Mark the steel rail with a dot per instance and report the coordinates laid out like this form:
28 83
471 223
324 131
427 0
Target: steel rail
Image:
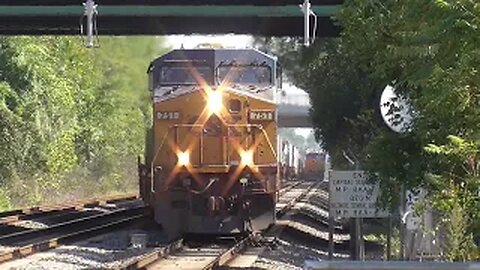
229 254
293 201
238 248
220 260
153 256
29 242
18 214
17 237
285 189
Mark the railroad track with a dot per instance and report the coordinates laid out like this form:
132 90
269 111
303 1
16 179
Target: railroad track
44 211
209 256
20 243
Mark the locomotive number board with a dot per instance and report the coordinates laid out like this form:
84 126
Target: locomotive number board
168 115
261 115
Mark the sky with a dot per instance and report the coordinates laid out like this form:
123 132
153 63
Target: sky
230 41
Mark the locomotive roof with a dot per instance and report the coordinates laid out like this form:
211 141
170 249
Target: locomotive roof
215 57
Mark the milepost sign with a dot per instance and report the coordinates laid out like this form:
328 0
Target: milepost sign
351 195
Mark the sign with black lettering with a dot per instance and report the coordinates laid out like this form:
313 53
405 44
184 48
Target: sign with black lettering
168 115
352 196
261 115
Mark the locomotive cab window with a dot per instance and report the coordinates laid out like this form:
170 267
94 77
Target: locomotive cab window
178 75
234 105
260 75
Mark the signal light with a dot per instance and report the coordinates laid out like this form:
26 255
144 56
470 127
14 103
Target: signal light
183 158
215 101
247 158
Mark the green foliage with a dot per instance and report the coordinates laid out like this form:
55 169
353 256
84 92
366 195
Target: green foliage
433 56
455 179
332 82
72 120
4 201
460 245
382 240
430 52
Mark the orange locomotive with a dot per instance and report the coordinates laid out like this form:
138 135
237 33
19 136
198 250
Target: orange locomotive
210 162
314 166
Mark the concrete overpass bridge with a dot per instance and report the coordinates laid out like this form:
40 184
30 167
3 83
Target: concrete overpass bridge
293 111
166 17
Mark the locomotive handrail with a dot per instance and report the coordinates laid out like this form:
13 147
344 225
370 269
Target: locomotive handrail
152 175
269 142
204 189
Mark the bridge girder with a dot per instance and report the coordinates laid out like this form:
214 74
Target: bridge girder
155 17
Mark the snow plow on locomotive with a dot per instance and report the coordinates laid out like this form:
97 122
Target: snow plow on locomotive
210 165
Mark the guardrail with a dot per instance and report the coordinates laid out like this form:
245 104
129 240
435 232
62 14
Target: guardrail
389 265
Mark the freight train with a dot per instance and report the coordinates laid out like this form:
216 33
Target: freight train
211 164
314 166
291 162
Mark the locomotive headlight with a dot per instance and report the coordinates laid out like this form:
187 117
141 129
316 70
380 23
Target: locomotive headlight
183 158
247 158
215 101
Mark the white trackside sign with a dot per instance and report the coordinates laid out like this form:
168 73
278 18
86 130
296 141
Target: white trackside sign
352 196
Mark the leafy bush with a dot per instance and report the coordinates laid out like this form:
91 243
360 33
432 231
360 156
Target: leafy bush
72 120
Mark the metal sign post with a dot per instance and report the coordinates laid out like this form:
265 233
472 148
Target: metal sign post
331 219
389 239
360 241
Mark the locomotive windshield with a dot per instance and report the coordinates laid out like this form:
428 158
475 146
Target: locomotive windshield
174 75
245 74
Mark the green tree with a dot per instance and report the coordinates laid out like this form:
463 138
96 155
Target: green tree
433 56
430 52
72 120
